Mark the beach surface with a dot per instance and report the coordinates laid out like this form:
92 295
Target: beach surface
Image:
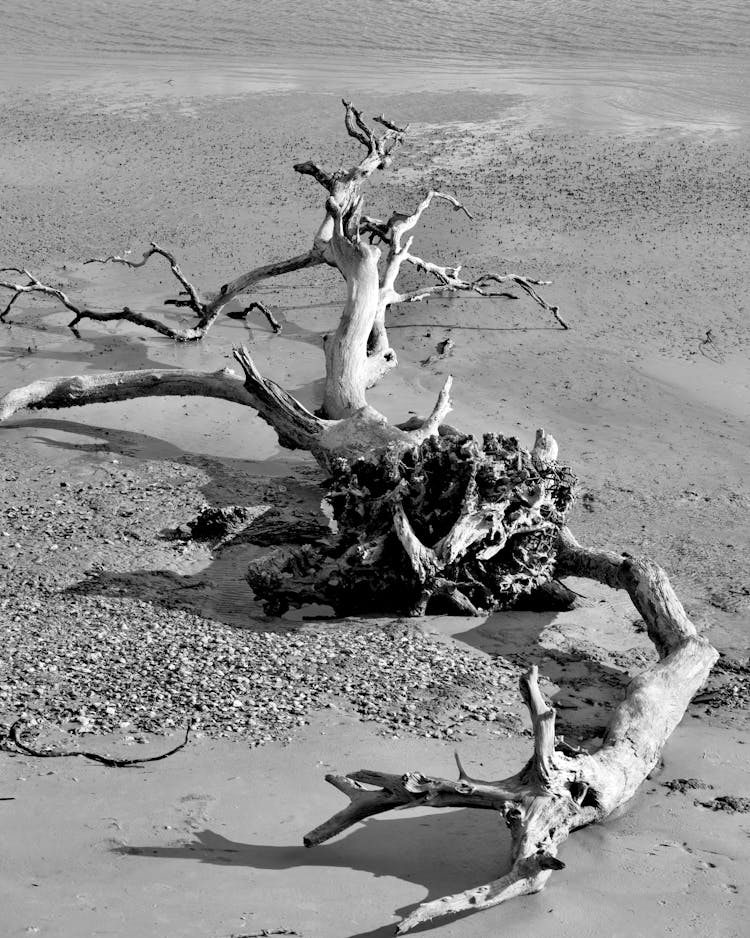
643 233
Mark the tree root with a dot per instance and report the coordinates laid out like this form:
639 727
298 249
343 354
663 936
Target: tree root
445 524
560 789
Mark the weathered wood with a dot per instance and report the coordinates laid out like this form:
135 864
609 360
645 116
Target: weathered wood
207 310
424 515
79 390
560 789
442 523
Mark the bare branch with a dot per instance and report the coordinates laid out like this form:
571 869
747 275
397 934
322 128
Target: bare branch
411 789
295 426
357 128
228 291
527 876
272 320
10 302
439 412
209 311
543 723
381 119
562 789
400 224
309 168
195 301
526 284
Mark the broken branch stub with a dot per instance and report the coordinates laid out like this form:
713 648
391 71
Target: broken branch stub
560 789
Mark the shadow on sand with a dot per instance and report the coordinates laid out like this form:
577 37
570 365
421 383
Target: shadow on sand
444 854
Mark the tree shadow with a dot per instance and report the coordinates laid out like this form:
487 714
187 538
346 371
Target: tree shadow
443 851
132 348
219 591
590 685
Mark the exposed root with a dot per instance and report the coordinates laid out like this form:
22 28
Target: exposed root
443 523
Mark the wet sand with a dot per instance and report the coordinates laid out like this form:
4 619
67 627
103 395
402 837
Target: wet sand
644 237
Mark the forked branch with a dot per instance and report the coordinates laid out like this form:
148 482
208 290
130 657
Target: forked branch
194 301
361 433
206 309
560 789
392 232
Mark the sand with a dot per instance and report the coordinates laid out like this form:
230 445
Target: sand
644 238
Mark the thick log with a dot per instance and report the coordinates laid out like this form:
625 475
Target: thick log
112 386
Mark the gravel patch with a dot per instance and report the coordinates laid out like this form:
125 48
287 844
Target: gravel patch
143 671
101 628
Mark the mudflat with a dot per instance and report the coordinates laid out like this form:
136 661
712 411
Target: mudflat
117 628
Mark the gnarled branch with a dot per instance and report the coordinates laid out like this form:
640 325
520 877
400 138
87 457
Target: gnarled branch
207 310
195 302
560 789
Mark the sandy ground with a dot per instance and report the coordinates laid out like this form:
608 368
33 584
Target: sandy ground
645 239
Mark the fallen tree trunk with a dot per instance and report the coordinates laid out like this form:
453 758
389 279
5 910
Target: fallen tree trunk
559 790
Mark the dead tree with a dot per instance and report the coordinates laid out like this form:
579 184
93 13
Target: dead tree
422 517
358 267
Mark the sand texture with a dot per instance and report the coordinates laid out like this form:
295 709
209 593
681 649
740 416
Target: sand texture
115 624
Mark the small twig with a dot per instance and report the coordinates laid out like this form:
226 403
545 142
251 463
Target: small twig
381 119
272 320
14 737
195 301
265 932
708 342
526 284
443 348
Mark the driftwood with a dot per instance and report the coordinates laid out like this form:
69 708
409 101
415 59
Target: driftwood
422 516
447 525
560 789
